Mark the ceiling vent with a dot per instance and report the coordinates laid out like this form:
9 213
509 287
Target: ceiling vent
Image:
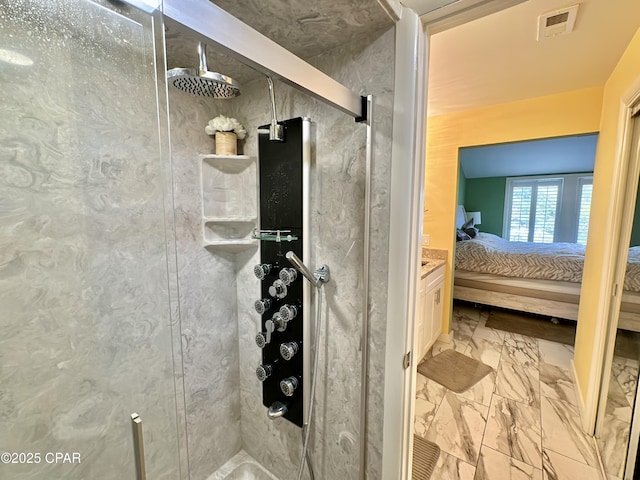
558 22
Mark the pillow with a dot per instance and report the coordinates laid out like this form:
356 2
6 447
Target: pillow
461 235
467 224
471 231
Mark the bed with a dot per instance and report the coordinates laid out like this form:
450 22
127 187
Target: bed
534 277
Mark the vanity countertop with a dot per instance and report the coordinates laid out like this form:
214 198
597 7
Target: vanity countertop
432 258
430 264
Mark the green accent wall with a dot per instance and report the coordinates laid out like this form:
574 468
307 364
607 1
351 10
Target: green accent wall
462 186
635 231
486 195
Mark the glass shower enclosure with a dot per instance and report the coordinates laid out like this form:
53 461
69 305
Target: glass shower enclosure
88 322
127 284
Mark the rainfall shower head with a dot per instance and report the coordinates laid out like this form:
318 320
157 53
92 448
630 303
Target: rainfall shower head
201 81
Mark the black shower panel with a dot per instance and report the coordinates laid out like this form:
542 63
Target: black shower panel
281 180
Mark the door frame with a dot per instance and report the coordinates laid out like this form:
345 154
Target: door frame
405 234
622 207
628 166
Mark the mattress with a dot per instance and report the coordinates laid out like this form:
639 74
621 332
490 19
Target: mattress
564 262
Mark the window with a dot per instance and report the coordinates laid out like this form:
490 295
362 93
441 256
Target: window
585 185
548 209
532 206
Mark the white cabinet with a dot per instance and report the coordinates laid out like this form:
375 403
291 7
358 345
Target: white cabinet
429 321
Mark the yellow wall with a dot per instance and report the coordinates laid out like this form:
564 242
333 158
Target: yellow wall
556 115
592 315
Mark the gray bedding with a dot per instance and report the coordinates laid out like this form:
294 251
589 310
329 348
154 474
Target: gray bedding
489 253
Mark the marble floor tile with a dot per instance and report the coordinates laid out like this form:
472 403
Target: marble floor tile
620 363
452 468
485 351
424 413
516 337
557 382
429 390
482 391
554 353
461 346
458 427
521 384
626 362
562 432
469 312
490 334
514 430
559 467
439 347
627 376
483 317
494 465
617 402
613 442
463 328
520 350
521 421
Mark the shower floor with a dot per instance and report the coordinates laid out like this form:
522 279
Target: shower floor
242 466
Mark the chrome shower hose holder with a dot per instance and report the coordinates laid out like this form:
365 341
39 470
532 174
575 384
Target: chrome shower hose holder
322 274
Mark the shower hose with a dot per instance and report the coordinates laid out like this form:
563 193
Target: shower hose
306 430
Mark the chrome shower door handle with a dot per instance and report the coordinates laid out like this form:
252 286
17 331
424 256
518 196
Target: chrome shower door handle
138 446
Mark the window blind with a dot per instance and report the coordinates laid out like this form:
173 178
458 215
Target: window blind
583 212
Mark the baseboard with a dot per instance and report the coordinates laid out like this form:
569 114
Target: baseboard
446 337
581 406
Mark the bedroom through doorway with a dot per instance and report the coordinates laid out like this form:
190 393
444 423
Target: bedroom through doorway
492 83
533 198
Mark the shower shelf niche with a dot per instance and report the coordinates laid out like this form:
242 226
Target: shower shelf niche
229 202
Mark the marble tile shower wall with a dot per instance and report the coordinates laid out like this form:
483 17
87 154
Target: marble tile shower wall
84 309
337 211
84 234
367 67
217 290
208 309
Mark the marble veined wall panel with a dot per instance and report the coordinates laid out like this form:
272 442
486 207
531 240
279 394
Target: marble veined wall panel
223 394
85 331
368 68
308 29
337 212
207 297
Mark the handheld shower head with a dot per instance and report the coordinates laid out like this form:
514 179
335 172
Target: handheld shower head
202 82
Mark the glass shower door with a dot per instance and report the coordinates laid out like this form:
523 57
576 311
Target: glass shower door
86 282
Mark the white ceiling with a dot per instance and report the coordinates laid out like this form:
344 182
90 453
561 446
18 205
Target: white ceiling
496 59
